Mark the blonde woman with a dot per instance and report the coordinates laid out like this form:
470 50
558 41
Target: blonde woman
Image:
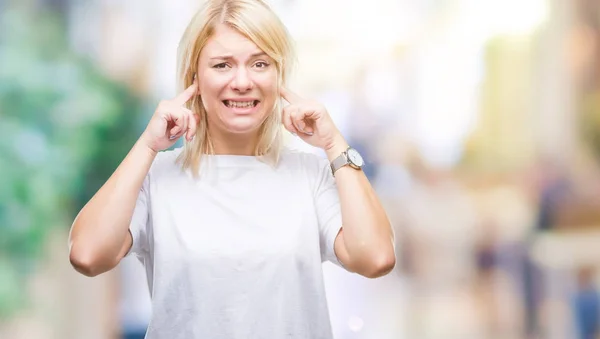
233 227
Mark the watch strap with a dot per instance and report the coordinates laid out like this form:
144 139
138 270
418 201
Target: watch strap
339 162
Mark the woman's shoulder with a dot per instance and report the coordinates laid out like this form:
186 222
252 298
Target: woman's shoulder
165 162
309 161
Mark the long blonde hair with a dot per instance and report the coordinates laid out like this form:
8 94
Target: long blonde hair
257 21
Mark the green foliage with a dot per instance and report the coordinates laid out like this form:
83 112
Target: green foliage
64 127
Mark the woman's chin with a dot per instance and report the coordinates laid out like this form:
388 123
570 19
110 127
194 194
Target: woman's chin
242 123
243 127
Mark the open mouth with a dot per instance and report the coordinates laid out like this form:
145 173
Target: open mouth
240 104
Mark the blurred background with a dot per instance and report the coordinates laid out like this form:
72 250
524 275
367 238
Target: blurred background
479 121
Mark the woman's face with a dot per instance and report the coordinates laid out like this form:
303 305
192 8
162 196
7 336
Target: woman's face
237 82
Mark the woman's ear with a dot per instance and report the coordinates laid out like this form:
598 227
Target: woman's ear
196 81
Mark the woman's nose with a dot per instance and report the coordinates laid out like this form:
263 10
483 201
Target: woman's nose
241 81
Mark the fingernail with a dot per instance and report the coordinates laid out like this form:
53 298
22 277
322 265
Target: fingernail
172 137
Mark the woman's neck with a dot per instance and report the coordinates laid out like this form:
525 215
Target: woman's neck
224 143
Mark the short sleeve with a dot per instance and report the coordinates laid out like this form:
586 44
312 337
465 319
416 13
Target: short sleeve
138 226
329 213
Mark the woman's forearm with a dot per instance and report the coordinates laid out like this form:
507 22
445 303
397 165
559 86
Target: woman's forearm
367 233
100 230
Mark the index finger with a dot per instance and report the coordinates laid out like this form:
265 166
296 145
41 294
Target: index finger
290 96
186 95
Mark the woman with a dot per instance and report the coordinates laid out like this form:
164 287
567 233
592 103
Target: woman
232 228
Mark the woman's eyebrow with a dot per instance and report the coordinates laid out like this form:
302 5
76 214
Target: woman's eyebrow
229 56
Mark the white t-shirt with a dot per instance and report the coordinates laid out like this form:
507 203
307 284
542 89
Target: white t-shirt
238 252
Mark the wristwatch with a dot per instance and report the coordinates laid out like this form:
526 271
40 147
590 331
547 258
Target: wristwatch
349 157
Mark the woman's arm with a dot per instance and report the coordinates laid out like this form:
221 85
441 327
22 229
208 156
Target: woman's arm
100 235
365 244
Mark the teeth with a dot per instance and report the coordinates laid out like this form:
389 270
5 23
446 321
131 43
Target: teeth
239 104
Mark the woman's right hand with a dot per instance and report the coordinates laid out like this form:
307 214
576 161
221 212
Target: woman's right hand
171 121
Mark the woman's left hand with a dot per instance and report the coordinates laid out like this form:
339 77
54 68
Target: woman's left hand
310 121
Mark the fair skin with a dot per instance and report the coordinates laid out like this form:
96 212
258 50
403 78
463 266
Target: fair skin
237 83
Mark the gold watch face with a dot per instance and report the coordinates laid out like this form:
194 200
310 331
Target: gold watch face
355 158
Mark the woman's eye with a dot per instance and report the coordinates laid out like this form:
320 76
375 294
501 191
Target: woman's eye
220 66
261 64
